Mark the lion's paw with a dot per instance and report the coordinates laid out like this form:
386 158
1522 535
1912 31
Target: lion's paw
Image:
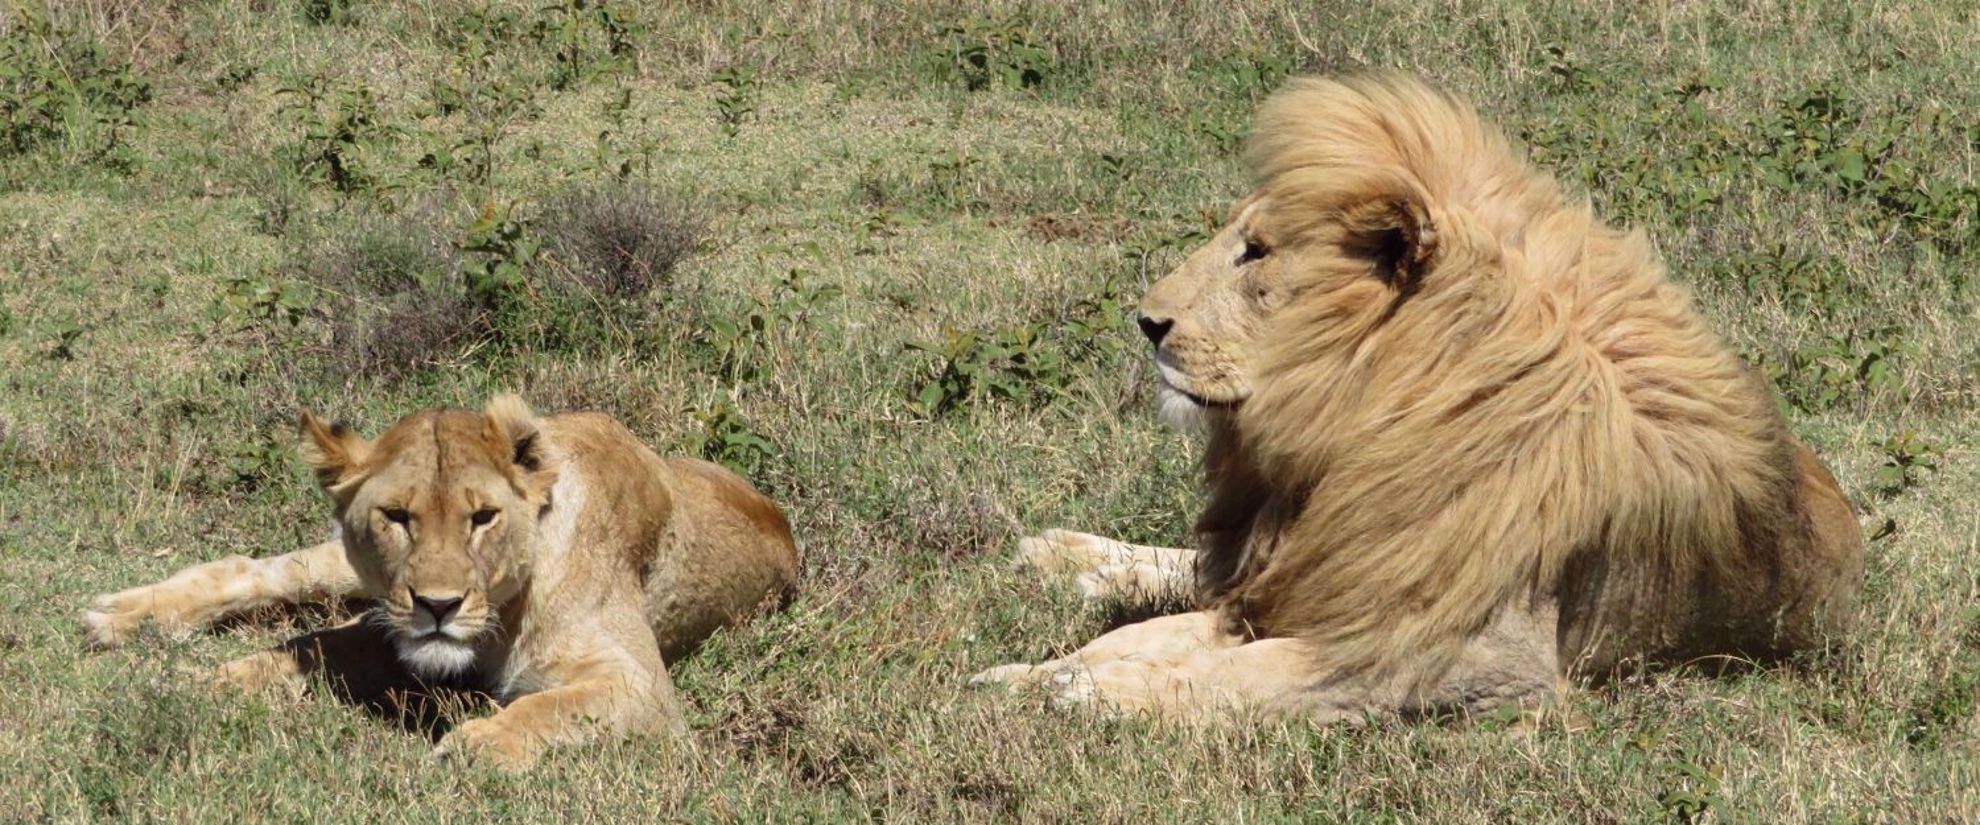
1063 553
1127 582
1064 684
490 741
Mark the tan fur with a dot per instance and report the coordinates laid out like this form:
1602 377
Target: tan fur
1446 403
582 563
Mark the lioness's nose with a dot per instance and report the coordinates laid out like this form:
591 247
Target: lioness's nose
1155 328
439 609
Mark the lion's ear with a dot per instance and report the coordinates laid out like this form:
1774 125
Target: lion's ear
1395 233
513 429
334 452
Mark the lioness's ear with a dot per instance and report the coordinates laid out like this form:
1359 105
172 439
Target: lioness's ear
332 450
513 429
1394 232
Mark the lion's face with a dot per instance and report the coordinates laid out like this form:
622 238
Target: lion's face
1209 318
439 517
1203 317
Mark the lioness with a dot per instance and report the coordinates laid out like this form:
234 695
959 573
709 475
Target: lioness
556 563
1465 441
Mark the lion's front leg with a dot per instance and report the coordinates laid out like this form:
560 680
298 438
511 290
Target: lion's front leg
1183 666
198 596
1186 667
1107 570
608 696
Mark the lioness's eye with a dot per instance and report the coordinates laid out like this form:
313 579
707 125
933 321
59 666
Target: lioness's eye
395 515
1253 250
482 516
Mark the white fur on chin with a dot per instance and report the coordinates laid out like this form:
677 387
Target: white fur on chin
436 658
1177 410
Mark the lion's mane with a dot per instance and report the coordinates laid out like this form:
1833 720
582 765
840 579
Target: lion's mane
1539 415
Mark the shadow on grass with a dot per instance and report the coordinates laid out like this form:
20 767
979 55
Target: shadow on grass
357 664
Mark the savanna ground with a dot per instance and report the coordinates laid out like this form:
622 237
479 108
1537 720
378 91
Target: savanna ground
882 260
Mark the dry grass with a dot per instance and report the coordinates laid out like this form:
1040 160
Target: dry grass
867 200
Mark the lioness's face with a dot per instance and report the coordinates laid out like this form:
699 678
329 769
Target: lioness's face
439 518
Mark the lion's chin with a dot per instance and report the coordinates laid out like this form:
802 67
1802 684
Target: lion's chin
436 657
1183 411
1186 412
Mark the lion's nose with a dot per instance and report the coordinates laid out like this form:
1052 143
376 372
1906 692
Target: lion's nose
1155 328
439 609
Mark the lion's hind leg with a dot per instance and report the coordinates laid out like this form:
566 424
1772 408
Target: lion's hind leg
1107 570
198 596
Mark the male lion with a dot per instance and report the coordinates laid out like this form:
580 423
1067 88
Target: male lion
1465 441
556 562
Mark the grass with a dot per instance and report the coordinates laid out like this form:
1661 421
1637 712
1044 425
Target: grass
207 202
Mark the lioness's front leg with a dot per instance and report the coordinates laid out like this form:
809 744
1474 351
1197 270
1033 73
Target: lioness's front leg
198 596
609 692
1107 570
356 659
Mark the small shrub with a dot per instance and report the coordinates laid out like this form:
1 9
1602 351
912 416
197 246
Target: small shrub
618 239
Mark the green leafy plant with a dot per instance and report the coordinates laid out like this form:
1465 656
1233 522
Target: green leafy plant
738 344
995 51
569 28
1567 71
67 334
269 299
337 122
329 12
737 102
725 438
1687 786
250 465
1840 367
60 84
1009 363
496 250
949 176
1907 457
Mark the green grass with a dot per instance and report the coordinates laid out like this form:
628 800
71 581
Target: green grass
184 187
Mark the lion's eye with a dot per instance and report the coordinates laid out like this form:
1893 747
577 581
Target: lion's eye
396 515
1253 251
482 516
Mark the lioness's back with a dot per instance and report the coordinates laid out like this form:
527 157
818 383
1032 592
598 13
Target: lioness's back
719 548
726 548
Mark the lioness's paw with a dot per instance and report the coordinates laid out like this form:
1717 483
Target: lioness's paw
266 673
114 618
489 740
1066 552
